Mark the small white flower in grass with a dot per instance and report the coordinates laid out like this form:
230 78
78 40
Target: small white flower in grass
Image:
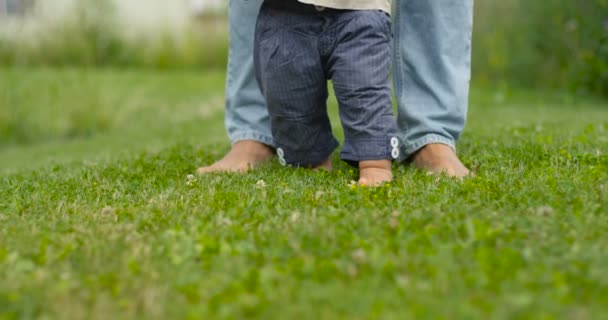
319 194
108 210
191 179
359 256
545 211
295 216
394 223
352 184
108 214
260 184
402 281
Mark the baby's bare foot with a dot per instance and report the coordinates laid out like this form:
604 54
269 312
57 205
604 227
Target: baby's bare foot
440 159
325 165
374 173
244 155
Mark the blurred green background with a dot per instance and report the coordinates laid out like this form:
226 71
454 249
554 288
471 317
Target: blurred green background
107 107
534 44
559 44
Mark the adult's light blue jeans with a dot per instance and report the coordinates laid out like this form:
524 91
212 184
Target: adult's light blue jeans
431 67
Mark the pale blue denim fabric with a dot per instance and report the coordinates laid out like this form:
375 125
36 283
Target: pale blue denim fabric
431 69
246 113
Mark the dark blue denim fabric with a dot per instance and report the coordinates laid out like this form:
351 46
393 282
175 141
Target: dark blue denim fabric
295 54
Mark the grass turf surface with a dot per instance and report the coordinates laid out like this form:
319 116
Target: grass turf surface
98 218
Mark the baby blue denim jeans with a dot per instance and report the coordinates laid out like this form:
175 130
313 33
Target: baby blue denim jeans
298 48
431 70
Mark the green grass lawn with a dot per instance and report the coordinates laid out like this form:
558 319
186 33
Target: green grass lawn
98 219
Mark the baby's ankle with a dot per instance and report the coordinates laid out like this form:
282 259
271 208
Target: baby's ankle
325 165
376 164
375 173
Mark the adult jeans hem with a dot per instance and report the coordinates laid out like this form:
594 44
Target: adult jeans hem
255 136
410 149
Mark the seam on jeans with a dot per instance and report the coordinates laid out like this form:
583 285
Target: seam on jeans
398 67
229 68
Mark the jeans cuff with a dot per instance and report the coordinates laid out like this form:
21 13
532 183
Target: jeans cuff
370 149
310 158
411 148
262 138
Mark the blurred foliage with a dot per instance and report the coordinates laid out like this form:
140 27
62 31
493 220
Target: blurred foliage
93 36
56 105
554 43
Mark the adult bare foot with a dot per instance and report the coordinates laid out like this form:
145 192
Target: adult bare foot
243 156
374 173
440 159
